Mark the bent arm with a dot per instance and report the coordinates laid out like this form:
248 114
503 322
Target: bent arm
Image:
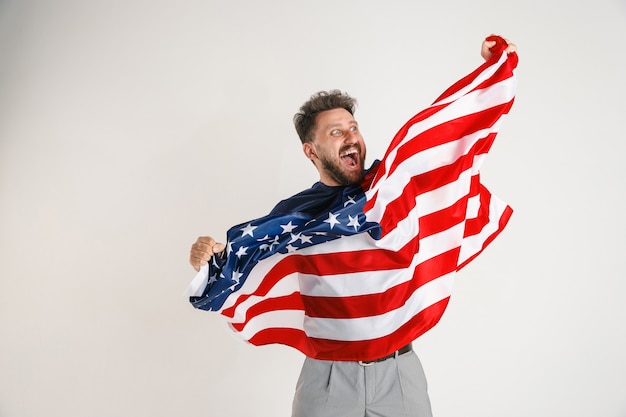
203 250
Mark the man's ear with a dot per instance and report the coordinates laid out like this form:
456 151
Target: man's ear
307 148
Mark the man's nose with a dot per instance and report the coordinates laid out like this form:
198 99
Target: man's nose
351 137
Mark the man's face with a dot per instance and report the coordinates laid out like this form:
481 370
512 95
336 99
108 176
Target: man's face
337 149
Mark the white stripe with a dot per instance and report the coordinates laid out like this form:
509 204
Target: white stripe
422 162
354 243
482 77
285 319
198 283
426 203
284 287
473 206
289 284
474 102
351 284
253 281
366 328
472 245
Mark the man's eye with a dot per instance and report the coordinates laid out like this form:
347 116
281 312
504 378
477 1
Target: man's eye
335 132
353 129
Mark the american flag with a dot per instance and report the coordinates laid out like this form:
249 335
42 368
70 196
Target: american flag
374 271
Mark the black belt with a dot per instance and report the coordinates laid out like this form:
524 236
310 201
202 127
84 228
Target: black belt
401 351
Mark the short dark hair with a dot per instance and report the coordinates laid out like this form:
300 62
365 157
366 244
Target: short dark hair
305 119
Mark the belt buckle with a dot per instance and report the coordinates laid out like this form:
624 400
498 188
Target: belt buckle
370 363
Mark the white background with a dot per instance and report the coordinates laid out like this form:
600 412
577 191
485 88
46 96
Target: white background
129 127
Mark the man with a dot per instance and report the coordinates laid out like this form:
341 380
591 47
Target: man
391 385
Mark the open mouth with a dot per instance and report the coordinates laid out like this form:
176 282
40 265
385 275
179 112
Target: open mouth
350 158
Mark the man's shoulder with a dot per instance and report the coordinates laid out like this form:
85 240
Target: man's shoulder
318 197
308 201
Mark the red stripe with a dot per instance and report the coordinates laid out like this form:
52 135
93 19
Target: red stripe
399 137
504 219
330 264
367 305
288 302
475 225
442 220
502 73
449 131
398 209
295 338
441 134
357 350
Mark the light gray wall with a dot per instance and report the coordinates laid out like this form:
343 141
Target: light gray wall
129 127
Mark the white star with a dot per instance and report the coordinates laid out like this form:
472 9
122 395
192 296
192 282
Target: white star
263 238
236 276
273 242
332 220
248 230
305 239
291 249
270 245
287 228
229 247
212 279
294 238
350 201
354 221
241 251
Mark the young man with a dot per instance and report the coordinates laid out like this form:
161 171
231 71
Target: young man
392 385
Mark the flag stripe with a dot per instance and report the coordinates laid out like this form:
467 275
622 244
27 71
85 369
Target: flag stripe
435 115
370 348
382 302
432 157
433 260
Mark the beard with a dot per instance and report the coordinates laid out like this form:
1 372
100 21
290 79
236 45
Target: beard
342 176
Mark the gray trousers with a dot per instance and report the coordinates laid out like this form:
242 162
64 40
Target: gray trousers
392 388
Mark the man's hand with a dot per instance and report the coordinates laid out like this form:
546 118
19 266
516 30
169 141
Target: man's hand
203 250
490 42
